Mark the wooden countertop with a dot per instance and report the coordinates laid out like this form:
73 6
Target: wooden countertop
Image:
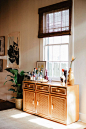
53 83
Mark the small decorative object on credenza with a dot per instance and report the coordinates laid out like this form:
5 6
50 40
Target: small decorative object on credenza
35 75
41 65
71 75
65 74
63 78
46 77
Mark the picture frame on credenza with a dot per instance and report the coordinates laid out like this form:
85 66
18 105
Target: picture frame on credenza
41 65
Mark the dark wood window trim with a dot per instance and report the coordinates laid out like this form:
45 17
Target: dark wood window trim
55 7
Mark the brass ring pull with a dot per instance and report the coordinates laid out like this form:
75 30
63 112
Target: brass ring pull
42 87
52 106
33 102
37 103
57 90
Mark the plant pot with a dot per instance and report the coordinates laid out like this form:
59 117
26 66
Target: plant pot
19 103
70 77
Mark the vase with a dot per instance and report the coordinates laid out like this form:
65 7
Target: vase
70 77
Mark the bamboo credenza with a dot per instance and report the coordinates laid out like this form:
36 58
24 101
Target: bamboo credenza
52 101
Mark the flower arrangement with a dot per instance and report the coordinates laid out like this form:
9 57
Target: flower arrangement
72 61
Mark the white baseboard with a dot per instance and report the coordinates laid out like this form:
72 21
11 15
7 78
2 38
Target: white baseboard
82 117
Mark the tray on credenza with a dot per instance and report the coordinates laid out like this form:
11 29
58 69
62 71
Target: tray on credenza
43 81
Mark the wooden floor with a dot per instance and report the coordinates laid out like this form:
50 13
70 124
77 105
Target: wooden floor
6 105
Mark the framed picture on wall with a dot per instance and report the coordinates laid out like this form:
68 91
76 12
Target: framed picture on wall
1 65
2 45
13 50
41 65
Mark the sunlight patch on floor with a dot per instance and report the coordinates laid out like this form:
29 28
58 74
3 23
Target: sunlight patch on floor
20 115
47 123
74 126
54 125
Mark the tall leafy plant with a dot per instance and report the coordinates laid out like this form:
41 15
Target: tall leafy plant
16 78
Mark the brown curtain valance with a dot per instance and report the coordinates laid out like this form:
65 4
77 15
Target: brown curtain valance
55 20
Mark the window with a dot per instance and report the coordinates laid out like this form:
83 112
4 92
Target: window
55 28
56 55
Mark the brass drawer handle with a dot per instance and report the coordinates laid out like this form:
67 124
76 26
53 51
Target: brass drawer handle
37 103
28 85
33 102
52 107
42 88
57 90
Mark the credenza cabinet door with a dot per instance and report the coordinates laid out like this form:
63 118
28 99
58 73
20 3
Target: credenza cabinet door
42 104
58 109
29 104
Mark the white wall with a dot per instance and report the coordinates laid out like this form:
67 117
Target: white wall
22 15
80 53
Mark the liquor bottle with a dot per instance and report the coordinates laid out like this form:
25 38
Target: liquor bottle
29 75
34 77
65 74
46 77
62 78
41 75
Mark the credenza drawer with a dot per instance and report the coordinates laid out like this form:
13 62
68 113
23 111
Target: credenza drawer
44 88
58 90
31 86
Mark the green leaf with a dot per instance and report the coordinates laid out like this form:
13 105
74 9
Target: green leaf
22 73
11 76
14 85
13 97
5 82
14 71
19 93
15 78
19 84
9 80
12 90
8 69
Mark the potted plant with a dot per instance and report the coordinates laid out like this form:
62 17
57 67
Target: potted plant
16 78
